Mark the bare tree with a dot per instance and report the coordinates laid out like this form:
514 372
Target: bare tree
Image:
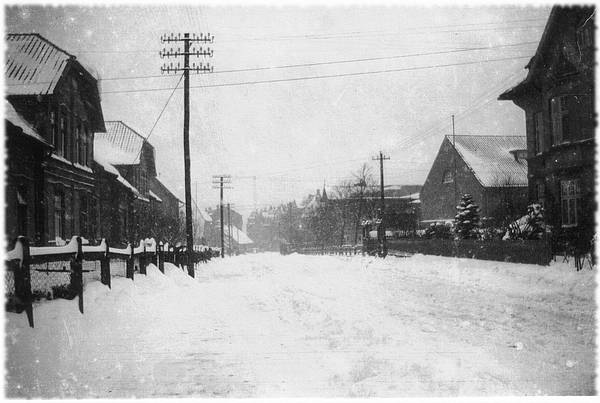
363 181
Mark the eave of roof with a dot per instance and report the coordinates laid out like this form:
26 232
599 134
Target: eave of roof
12 116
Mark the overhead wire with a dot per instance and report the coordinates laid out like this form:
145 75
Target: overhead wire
316 77
158 118
314 64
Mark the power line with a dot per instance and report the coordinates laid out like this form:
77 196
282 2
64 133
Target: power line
330 62
158 118
324 76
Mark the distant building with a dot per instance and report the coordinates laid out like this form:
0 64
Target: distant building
558 99
493 169
56 98
263 228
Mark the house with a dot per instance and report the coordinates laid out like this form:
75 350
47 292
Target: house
213 227
25 151
558 99
115 198
263 228
133 157
490 168
57 98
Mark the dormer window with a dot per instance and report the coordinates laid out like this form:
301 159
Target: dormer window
448 176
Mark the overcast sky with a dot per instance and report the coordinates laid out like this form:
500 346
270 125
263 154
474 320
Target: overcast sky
294 135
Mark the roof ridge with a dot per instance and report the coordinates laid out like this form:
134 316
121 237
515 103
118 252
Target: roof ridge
39 36
485 135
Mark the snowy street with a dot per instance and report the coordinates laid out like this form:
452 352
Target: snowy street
266 325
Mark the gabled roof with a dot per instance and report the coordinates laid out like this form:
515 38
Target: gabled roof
33 64
537 61
12 116
490 159
120 145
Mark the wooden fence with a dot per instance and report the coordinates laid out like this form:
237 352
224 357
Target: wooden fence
60 272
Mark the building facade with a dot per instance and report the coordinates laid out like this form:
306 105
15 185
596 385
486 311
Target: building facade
490 168
558 99
59 99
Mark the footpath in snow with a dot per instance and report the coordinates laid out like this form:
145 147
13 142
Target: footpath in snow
266 325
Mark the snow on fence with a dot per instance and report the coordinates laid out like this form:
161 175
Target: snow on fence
33 273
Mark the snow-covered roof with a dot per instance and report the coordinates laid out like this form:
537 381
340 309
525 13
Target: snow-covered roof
13 117
108 167
120 144
33 64
238 235
491 160
205 215
413 196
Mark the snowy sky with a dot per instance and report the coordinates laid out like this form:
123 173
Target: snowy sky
294 135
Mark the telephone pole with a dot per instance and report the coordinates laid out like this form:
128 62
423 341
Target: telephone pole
201 68
218 182
229 228
454 162
381 227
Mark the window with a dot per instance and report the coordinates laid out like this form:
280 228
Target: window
448 176
53 129
83 215
538 122
22 211
62 135
570 195
85 145
59 214
540 193
77 142
572 118
560 120
143 182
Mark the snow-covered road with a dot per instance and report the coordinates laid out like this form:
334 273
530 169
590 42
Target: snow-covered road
267 325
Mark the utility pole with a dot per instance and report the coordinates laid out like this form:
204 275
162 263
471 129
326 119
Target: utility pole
218 182
201 68
454 162
290 227
381 228
229 228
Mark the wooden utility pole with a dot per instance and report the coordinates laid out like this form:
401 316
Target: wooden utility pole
381 227
454 162
218 182
186 116
229 228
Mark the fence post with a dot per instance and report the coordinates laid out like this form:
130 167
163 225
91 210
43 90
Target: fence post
160 257
23 280
105 267
154 257
77 273
129 263
143 259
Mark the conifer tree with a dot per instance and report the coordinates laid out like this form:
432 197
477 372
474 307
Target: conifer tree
466 220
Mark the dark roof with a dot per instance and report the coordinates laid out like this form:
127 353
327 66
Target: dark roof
34 65
491 160
120 144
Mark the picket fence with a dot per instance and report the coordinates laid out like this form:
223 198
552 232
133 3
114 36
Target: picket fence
34 273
